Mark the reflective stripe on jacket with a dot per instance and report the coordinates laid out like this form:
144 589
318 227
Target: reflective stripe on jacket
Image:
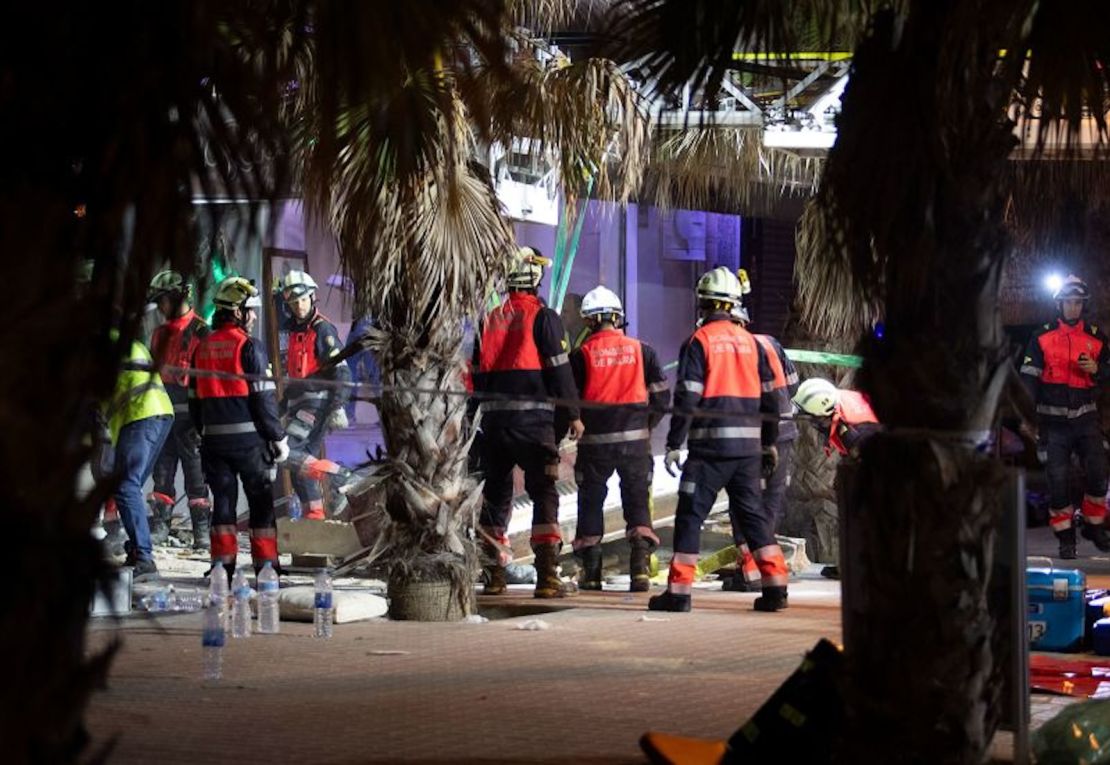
1062 391
725 376
612 368
232 411
786 385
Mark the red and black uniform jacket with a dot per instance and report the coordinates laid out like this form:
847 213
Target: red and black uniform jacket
311 343
724 375
611 368
233 413
853 421
521 351
173 344
786 385
1064 393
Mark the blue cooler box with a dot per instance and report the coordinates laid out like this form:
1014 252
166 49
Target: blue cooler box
1057 607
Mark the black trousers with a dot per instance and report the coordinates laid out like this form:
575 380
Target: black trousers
224 469
702 479
540 463
182 446
773 498
592 471
307 439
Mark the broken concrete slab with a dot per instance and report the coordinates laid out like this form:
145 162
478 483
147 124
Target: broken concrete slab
307 537
297 605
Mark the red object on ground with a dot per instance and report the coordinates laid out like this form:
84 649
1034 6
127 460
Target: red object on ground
1084 678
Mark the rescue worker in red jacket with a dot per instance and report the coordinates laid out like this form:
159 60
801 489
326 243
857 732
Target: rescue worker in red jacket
773 498
846 419
611 368
311 407
725 378
521 352
173 344
1065 362
241 435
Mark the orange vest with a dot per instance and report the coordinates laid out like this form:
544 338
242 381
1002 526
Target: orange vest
301 358
173 345
614 369
1061 348
731 361
508 339
853 409
773 360
221 351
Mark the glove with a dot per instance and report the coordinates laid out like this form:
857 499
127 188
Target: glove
770 461
338 419
673 459
279 450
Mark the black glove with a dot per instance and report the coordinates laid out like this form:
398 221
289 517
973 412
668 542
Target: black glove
769 462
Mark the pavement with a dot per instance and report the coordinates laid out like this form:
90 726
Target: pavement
601 672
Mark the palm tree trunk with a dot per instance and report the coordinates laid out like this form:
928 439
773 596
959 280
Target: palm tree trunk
431 501
922 679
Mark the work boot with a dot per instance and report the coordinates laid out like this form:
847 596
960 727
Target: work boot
1094 532
772 599
548 584
639 564
495 580
589 558
669 601
202 526
831 572
1066 538
161 514
739 583
144 570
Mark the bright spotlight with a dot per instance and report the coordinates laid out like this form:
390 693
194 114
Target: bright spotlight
1053 282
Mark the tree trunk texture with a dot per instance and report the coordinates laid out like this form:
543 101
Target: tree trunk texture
431 501
921 682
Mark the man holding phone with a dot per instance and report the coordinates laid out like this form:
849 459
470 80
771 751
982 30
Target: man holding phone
1064 364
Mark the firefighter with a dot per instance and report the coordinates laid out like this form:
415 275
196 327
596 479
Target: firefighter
724 377
173 344
845 418
241 435
1065 362
773 498
311 407
522 351
139 417
611 368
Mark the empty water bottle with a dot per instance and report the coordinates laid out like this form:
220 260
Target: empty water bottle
218 589
241 594
212 642
322 613
295 510
269 618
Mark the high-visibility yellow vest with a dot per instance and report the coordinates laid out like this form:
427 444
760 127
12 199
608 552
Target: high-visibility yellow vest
139 393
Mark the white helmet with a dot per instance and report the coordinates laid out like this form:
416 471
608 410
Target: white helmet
296 285
527 269
720 284
600 301
817 396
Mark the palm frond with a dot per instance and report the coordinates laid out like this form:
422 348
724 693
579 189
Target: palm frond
724 169
585 115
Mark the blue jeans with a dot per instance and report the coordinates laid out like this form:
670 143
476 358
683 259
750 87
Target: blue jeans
137 448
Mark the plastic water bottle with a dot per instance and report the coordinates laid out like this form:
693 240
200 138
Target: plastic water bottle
322 613
212 642
218 589
241 594
295 510
269 616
